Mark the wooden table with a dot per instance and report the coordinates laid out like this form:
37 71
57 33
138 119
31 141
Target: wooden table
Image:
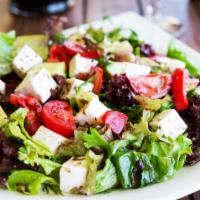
89 10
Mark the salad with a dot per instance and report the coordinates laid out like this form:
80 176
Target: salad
94 111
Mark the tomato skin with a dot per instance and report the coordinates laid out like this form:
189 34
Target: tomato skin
58 53
58 116
153 85
96 76
33 118
179 94
73 48
115 120
98 79
33 122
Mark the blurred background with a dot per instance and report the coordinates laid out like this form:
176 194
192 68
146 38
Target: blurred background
179 17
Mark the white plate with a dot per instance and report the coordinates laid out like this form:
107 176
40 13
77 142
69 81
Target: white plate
187 180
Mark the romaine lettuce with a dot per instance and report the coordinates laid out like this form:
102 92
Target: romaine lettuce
106 178
31 152
30 182
173 52
6 48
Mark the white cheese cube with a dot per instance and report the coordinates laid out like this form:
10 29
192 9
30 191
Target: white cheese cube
2 87
169 123
74 85
92 112
38 84
73 175
79 64
25 60
132 69
49 138
169 63
128 68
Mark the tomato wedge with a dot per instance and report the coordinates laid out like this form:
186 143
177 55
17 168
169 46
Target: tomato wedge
115 120
97 79
58 53
33 122
58 116
73 48
33 118
153 86
178 90
96 76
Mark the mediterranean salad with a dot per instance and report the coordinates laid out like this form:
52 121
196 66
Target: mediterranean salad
94 111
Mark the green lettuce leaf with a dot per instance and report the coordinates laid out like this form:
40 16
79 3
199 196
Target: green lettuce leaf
154 104
6 48
30 182
71 148
176 149
94 139
32 152
173 52
92 161
154 162
124 167
153 169
141 130
106 178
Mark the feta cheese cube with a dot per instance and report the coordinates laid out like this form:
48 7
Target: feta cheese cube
38 84
2 87
132 69
73 85
49 138
128 68
25 60
169 123
169 63
73 174
92 112
79 64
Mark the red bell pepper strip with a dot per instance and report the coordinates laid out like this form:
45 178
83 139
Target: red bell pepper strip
179 94
115 120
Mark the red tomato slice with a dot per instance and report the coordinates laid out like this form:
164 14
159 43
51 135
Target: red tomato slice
33 122
97 79
153 86
96 75
73 48
115 120
58 53
33 118
58 117
28 102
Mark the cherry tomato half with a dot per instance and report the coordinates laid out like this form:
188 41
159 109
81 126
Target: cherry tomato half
58 117
115 120
73 48
153 86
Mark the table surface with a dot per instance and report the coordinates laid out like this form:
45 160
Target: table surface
89 10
